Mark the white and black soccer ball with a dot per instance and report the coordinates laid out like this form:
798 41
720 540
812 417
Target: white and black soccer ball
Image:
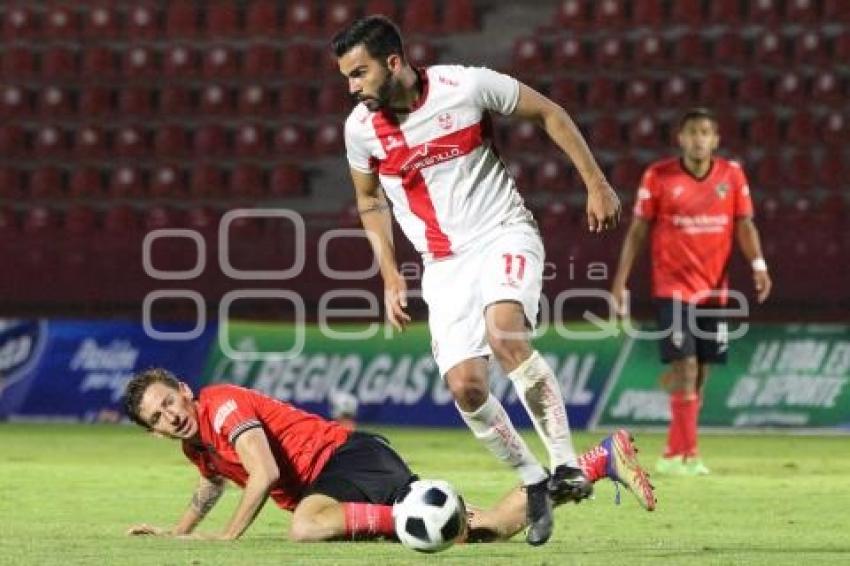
429 516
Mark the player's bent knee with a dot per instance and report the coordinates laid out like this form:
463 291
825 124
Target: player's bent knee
469 394
308 531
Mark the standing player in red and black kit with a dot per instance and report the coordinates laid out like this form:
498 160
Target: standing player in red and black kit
693 206
338 483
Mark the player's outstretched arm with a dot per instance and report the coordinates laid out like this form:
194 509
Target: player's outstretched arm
206 495
750 244
603 205
632 247
377 222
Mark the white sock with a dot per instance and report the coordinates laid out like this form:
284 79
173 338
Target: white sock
491 425
541 396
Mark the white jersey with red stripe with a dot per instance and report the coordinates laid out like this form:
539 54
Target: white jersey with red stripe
437 164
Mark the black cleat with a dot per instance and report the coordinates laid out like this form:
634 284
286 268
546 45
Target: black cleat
539 513
569 484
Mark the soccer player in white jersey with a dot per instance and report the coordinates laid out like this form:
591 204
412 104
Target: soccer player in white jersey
424 135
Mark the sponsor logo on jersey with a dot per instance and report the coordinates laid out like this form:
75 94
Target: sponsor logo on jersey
678 190
222 413
445 121
392 143
429 154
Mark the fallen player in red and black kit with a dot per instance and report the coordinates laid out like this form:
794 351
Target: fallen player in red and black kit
339 484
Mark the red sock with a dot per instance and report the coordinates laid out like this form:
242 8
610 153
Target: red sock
365 520
690 422
594 462
675 440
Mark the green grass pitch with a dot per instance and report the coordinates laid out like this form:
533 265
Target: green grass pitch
68 493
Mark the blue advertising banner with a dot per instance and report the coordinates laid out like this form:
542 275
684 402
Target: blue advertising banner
77 370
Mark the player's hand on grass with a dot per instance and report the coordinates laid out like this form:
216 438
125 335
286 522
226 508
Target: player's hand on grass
763 285
603 206
147 530
620 299
395 301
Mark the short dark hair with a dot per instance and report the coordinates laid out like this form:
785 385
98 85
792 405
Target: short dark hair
136 387
697 113
378 34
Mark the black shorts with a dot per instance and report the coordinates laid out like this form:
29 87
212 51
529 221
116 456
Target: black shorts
681 339
363 470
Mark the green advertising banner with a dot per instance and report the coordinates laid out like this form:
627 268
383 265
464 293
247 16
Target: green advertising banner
781 375
392 375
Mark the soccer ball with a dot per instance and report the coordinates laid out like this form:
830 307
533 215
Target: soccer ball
429 516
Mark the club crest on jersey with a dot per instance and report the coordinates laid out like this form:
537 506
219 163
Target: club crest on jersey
445 121
392 143
722 189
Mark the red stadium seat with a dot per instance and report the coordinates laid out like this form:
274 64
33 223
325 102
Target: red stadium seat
769 172
729 49
522 174
94 102
687 13
142 22
262 19
801 11
763 130
139 63
528 55
126 182
801 130
99 62
286 181
171 141
606 133
59 63
250 141
567 53
13 141
459 16
769 49
160 217
131 141
49 142
329 139
552 175
801 171
46 183
174 101
752 90
764 12
291 140
610 53
20 22
609 14
573 15
181 20
827 88
836 11
260 61
246 181
220 62
388 8
833 171
649 13
89 143
333 98
419 17
649 52
54 102
715 89
254 100
689 51
339 14
841 47
790 89
222 19
565 92
15 102
79 220
299 61
639 93
301 18
294 100
626 173
40 222
180 61
835 130
18 63
420 52
61 22
524 136
204 220
810 49
602 93
101 21
86 183
676 91
120 220
11 184
644 132
167 182
209 141
206 181
135 102
730 131
724 12
216 100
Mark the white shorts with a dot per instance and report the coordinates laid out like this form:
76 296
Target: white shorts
508 267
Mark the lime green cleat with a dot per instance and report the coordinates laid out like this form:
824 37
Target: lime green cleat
695 467
673 466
